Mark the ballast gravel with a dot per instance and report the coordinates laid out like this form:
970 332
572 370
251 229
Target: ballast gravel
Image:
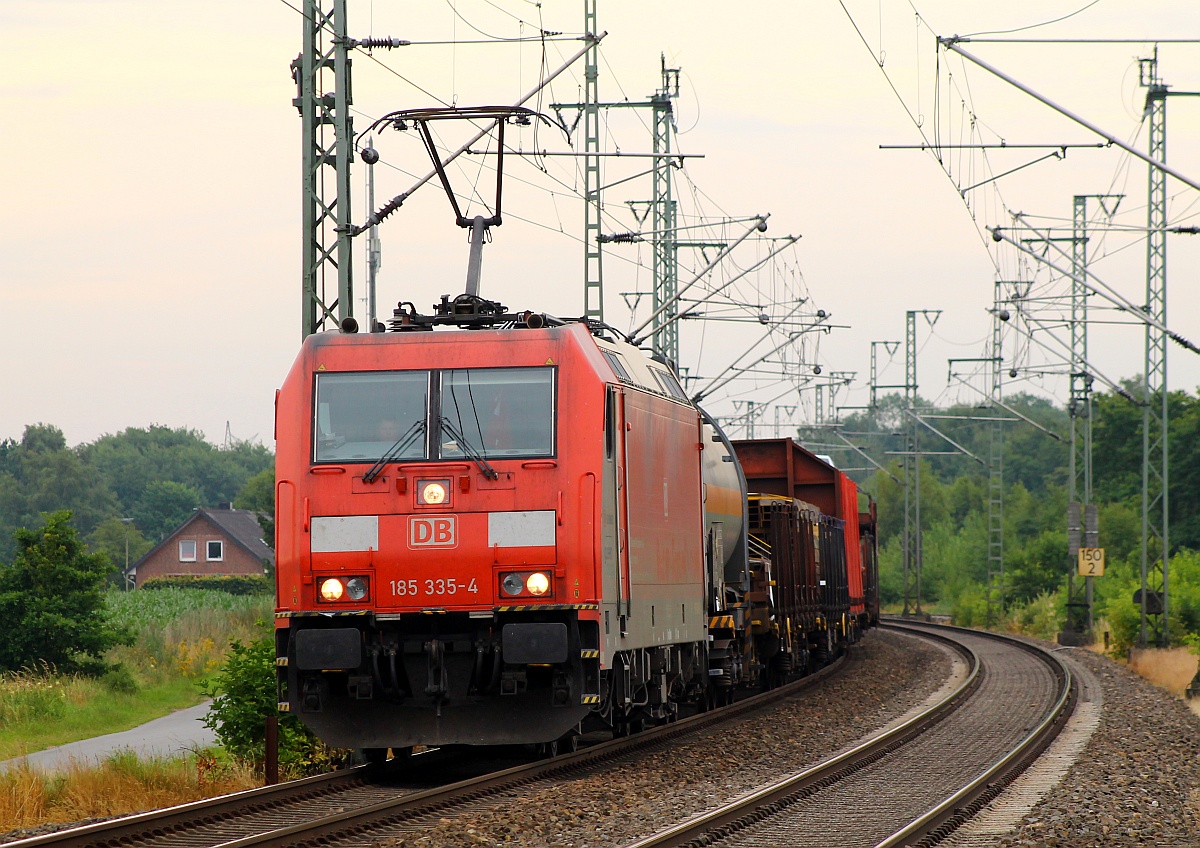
1136 783
1138 780
894 673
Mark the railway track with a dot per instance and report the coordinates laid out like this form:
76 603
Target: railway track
932 772
342 807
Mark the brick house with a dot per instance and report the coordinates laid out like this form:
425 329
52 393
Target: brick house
221 541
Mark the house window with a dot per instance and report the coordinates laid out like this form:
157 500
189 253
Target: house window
215 552
187 550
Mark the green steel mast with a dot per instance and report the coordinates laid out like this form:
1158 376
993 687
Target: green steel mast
324 64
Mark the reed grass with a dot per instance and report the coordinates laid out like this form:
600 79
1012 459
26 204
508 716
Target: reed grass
123 783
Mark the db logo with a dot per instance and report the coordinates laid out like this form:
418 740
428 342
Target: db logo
432 531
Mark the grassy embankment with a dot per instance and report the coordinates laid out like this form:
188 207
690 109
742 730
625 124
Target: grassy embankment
181 637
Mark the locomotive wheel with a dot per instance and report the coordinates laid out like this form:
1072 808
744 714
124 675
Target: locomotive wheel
549 750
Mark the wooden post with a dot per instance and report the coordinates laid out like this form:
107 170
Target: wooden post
271 761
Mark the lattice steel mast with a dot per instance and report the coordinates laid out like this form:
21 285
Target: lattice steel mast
593 252
912 473
995 563
1155 540
322 75
665 340
1082 529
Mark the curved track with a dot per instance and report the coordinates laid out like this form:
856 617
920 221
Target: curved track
933 771
340 808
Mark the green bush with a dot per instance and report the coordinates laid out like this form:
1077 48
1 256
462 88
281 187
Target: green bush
971 607
244 696
119 680
234 584
1041 617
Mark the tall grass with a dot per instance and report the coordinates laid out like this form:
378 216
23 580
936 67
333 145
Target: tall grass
123 783
181 637
184 632
37 693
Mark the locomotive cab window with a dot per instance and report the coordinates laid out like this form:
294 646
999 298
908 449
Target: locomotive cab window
360 417
497 412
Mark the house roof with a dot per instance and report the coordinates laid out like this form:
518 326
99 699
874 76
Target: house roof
240 525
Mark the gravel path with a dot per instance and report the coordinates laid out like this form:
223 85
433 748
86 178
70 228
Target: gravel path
1138 780
894 673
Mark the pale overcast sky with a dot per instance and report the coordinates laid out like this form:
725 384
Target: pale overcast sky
150 162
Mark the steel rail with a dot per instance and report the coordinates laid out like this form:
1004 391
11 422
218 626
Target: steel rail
967 801
168 820
161 824
756 805
421 803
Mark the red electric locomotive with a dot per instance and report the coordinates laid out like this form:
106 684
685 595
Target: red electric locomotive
502 533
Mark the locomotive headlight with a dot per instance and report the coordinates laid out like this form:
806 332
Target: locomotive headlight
432 492
537 583
356 588
332 589
512 584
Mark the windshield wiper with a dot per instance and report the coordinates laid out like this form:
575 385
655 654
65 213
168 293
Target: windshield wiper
398 447
465 446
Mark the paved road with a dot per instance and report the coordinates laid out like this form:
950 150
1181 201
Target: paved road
172 734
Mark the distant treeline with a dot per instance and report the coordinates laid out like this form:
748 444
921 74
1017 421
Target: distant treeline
131 488
1036 472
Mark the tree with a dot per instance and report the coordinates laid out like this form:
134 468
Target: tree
259 495
120 542
52 602
163 506
133 459
41 474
